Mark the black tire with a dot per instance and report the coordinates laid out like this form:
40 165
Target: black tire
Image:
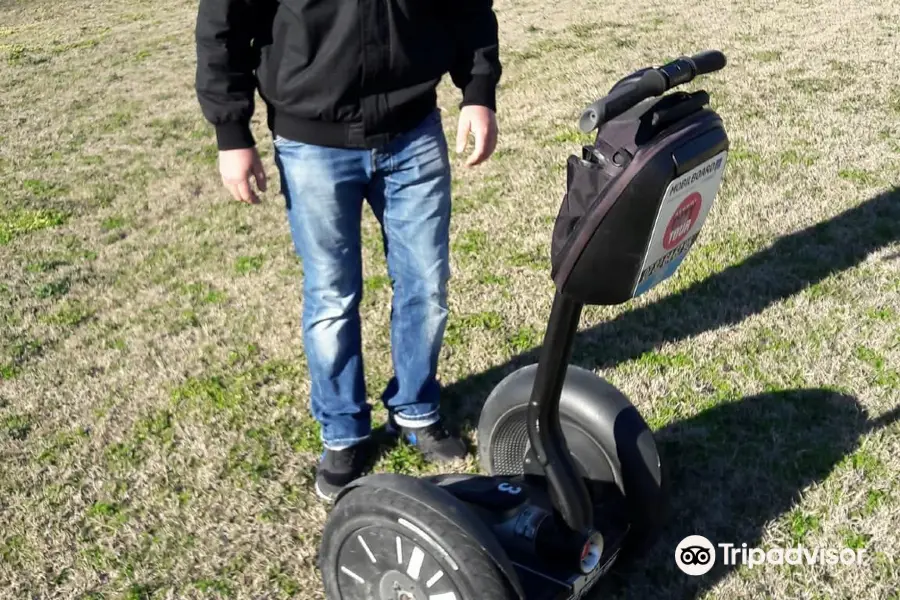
428 544
608 439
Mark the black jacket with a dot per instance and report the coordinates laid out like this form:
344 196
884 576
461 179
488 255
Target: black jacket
347 73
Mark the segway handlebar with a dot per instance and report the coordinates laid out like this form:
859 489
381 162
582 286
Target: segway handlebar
648 83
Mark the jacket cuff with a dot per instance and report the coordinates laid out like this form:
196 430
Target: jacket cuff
234 135
481 90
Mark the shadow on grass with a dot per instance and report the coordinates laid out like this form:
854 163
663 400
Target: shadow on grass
787 267
736 467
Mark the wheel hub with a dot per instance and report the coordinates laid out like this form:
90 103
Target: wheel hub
396 585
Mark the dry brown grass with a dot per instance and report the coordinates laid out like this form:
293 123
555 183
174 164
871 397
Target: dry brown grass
155 440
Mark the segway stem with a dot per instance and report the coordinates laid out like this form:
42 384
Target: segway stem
567 489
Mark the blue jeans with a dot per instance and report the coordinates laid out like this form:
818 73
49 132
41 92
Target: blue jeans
407 185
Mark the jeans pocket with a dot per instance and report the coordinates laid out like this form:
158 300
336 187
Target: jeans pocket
280 142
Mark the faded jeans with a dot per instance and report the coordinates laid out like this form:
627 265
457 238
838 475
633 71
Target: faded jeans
407 185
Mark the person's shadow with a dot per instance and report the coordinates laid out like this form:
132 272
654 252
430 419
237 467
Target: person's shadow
733 469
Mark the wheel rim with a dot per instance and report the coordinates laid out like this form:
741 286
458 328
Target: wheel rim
382 562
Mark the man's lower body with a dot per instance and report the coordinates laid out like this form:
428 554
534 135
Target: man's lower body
407 185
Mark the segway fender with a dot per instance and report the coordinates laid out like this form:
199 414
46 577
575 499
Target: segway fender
448 505
603 410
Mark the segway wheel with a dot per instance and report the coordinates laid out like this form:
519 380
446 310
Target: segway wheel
379 544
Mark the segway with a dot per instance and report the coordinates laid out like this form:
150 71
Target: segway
574 479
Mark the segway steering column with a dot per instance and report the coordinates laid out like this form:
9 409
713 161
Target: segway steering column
567 489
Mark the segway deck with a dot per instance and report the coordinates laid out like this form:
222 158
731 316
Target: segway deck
514 508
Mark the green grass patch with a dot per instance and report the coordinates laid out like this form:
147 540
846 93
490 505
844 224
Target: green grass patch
214 586
473 242
524 339
405 459
287 585
248 264
43 190
20 353
207 156
373 283
14 549
536 259
201 292
233 393
69 314
796 157
858 176
884 375
116 122
884 313
855 539
214 393
253 456
744 158
656 361
79 45
139 592
16 427
154 428
61 443
54 289
867 464
874 500
493 279
105 510
802 524
570 135
112 223
302 435
24 221
45 266
459 328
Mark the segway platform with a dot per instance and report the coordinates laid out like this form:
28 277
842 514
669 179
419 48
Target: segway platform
519 513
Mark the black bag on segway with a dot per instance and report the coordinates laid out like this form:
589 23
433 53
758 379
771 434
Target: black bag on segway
637 198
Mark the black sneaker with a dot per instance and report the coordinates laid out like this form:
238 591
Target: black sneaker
337 468
434 441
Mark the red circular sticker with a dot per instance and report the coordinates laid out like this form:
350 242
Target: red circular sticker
682 221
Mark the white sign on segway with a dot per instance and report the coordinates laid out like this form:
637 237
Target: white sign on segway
681 215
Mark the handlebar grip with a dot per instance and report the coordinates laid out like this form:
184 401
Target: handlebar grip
709 62
622 98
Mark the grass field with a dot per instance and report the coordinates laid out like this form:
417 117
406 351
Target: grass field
155 440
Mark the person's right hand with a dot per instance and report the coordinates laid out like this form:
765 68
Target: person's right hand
236 168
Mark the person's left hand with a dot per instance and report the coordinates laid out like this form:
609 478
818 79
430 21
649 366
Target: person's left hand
481 122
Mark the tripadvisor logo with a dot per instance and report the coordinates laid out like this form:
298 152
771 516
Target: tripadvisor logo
696 555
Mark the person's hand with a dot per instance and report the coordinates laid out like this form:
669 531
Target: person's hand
481 122
236 168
